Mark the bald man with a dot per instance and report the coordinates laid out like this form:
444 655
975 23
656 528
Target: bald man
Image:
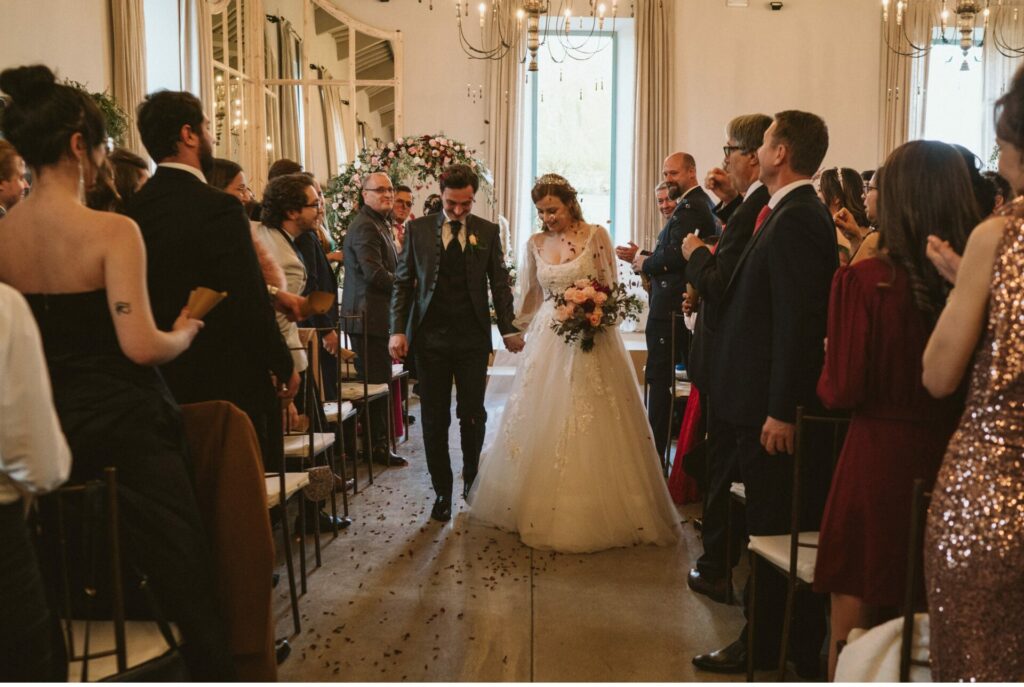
666 268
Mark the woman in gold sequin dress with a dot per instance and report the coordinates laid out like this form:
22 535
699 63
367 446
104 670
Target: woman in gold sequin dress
974 542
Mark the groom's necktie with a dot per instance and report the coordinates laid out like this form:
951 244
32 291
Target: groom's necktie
454 247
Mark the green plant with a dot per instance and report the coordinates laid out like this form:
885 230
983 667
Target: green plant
115 118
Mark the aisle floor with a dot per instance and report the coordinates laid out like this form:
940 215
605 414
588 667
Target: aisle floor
400 597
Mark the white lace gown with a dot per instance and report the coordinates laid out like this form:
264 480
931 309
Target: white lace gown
572 466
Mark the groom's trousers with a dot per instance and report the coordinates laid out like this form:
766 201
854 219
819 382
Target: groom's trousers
437 366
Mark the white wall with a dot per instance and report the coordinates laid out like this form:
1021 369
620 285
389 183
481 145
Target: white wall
72 37
816 55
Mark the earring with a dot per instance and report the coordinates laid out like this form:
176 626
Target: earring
81 181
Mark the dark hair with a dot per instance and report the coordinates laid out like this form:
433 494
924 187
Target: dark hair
103 194
459 176
984 192
222 172
162 115
282 167
806 137
557 186
42 115
1009 112
924 189
867 174
748 131
846 186
432 205
282 195
8 157
1001 185
402 188
126 167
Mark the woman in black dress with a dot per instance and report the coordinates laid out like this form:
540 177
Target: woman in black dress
83 274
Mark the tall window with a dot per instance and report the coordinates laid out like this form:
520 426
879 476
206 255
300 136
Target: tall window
955 108
579 123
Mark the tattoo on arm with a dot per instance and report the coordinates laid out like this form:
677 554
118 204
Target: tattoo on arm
122 308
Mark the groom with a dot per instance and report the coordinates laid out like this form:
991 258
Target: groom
440 305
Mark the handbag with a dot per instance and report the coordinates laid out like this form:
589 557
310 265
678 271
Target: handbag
321 483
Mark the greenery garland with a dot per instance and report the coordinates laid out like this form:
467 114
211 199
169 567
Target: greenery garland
115 118
412 160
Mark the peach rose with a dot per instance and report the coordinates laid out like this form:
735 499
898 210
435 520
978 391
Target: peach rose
595 318
570 293
579 297
598 312
590 293
582 283
601 298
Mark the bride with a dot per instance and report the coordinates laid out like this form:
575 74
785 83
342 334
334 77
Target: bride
572 466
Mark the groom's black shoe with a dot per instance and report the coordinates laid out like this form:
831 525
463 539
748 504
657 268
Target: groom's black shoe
466 486
442 509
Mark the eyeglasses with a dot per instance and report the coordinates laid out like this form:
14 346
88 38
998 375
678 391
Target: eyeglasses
383 190
728 150
313 205
869 188
403 203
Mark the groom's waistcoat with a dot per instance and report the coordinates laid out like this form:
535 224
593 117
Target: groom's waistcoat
451 309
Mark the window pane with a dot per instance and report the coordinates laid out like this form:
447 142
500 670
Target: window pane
954 105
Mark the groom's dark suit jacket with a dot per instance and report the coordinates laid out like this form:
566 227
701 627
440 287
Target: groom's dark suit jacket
198 236
770 341
418 265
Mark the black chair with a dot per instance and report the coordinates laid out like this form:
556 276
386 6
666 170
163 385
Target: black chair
915 547
357 390
680 390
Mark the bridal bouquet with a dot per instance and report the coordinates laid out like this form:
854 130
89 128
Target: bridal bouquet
588 306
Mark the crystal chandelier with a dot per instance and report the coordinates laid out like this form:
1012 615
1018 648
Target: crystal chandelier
502 24
976 21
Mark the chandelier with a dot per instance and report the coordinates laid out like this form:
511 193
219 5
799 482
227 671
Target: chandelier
494 29
976 21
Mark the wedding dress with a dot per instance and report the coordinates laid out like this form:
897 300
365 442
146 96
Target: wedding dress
572 466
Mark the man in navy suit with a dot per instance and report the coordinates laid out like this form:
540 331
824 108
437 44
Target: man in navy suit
666 268
770 348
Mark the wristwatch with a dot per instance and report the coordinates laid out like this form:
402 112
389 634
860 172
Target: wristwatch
272 290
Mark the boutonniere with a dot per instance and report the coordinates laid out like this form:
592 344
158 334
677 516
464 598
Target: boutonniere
474 244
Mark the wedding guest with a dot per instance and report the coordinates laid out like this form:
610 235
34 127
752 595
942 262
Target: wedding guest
842 191
666 203
666 268
101 342
1004 194
34 458
13 184
768 358
882 310
974 539
198 236
401 213
984 192
282 167
741 195
432 205
863 238
130 172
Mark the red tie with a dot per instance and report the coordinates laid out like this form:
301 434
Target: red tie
761 217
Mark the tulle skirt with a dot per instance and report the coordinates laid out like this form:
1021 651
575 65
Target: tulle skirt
572 466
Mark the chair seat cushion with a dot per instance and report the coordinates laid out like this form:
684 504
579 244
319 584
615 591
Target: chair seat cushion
293 481
331 410
775 549
142 639
297 445
353 391
874 655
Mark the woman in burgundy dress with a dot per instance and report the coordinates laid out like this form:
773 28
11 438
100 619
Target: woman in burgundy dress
881 313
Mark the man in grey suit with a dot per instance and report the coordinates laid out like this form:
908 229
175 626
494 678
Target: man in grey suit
370 260
440 305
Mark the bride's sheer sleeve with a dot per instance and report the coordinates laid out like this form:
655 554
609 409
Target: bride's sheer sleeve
529 295
604 257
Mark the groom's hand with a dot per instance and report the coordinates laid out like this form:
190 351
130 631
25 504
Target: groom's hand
398 346
515 343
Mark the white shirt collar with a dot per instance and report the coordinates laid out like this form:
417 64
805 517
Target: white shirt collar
786 190
753 187
197 173
689 191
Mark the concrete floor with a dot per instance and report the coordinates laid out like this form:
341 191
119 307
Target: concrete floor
401 597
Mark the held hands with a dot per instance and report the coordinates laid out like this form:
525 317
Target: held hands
515 343
187 325
777 436
398 346
718 182
627 253
690 244
290 305
945 259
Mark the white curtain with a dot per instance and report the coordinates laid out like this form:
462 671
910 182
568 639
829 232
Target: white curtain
653 106
904 78
288 96
195 36
334 129
505 83
999 71
129 58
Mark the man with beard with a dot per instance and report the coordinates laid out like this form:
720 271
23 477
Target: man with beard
196 235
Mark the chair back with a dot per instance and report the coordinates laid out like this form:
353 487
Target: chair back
915 546
345 323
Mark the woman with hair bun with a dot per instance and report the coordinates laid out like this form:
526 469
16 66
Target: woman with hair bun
573 466
83 274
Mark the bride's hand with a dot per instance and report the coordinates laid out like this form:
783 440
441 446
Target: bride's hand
515 343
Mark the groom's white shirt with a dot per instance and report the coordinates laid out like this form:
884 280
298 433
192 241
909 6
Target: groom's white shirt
446 231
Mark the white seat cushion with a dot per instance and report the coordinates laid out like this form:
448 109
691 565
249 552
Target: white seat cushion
143 642
293 481
739 490
331 410
874 655
352 391
775 549
297 445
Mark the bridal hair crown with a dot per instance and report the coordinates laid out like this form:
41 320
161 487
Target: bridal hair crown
555 180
